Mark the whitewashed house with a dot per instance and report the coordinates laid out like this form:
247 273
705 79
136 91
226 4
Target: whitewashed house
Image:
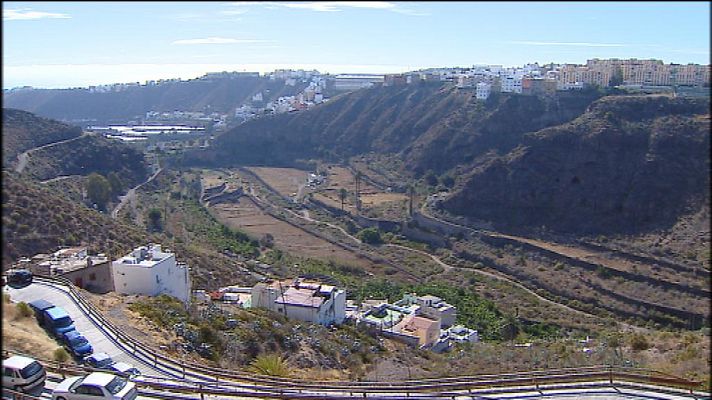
305 301
482 90
149 271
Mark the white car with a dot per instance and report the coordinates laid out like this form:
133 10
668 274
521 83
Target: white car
22 373
97 385
125 368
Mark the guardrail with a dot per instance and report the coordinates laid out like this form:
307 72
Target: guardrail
230 381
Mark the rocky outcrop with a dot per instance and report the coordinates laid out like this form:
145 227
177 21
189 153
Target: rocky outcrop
627 165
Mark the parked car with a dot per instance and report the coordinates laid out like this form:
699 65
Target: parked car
22 373
39 306
125 368
78 345
97 385
19 277
99 360
57 321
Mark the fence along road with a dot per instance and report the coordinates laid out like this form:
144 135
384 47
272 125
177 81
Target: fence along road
235 382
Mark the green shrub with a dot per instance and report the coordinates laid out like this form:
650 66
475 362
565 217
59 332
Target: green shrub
61 355
638 342
370 236
24 310
270 364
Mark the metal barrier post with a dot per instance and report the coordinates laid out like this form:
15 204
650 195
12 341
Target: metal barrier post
610 374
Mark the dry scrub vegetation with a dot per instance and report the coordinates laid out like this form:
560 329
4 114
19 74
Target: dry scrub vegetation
23 334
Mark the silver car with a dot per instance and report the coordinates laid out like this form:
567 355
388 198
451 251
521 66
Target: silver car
97 385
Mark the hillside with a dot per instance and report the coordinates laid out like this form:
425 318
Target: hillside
37 220
629 164
220 95
420 123
86 155
22 130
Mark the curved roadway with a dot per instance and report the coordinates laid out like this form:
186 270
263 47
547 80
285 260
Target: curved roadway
99 340
102 342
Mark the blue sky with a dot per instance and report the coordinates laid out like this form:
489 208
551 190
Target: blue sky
70 44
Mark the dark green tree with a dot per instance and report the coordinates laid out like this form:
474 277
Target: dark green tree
509 328
616 77
430 178
98 190
370 236
154 219
115 183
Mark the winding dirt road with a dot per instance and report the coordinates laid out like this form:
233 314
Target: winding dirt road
131 194
23 158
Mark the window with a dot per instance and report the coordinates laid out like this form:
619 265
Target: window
89 390
7 372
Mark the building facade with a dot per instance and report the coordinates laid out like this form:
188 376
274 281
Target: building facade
149 271
306 301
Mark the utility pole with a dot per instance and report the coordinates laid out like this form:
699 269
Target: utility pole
358 190
411 193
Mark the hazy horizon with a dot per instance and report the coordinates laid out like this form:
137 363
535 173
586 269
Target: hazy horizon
77 44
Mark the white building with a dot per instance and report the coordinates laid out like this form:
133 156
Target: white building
431 306
306 301
511 84
356 81
460 334
149 271
483 90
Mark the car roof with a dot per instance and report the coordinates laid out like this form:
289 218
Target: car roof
17 362
72 334
21 272
41 304
98 379
57 312
122 366
99 356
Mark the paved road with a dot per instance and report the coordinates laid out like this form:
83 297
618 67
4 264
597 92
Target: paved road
102 343
96 337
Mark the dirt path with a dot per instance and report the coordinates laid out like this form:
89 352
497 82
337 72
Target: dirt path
131 194
500 277
23 158
448 267
60 178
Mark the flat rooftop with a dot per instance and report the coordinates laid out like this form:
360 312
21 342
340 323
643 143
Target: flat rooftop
300 297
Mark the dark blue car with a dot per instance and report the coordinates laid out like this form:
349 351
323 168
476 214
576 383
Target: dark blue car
77 344
99 360
58 321
19 278
39 306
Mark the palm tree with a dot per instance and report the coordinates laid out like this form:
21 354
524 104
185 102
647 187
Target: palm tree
359 175
342 195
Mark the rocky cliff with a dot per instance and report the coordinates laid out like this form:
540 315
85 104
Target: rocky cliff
628 164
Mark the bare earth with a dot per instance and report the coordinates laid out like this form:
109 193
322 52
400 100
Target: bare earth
24 335
245 215
285 181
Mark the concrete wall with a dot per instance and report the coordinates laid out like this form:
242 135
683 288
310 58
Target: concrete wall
96 279
436 225
407 339
419 235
